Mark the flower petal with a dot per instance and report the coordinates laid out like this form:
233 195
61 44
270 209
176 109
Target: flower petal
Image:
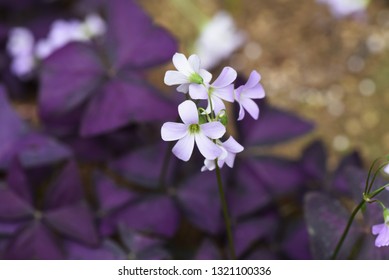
213 130
208 165
226 77
241 112
232 145
184 147
254 79
217 104
175 78
182 64
225 93
188 112
206 147
194 62
184 88
250 106
255 92
376 229
197 91
172 131
229 160
205 75
383 237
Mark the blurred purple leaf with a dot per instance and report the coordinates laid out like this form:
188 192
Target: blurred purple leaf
108 250
314 160
208 251
326 220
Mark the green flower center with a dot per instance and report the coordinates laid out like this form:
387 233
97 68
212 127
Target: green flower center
194 128
195 78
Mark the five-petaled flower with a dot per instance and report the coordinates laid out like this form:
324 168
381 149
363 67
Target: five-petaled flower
189 72
382 230
244 95
221 89
230 148
191 131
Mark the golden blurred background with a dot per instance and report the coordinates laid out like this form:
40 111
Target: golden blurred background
333 71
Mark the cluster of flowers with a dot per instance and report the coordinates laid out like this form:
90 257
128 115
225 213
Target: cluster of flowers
25 52
206 127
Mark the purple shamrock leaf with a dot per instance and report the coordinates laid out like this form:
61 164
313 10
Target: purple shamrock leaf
101 89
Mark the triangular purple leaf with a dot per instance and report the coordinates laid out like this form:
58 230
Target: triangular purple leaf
108 250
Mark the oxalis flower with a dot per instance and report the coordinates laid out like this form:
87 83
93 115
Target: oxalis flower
382 230
189 72
191 131
229 150
221 89
244 95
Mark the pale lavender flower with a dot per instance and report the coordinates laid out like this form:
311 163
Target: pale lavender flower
221 89
343 8
218 39
382 230
21 48
229 150
244 95
189 72
190 131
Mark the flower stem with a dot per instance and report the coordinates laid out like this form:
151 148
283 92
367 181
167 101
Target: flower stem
345 232
225 212
351 219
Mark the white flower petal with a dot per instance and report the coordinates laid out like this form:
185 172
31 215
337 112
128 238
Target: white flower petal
254 79
184 88
206 76
206 147
226 77
241 112
197 91
208 165
217 104
250 106
184 147
232 145
213 130
229 160
182 64
172 131
377 228
194 62
255 92
225 93
188 112
175 78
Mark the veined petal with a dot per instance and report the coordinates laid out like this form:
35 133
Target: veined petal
188 112
194 62
225 93
254 79
172 131
205 75
206 147
175 78
197 91
250 106
255 92
184 147
213 130
226 77
232 145
182 64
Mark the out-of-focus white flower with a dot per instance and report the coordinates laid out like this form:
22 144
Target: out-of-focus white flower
93 26
343 8
20 46
218 40
63 32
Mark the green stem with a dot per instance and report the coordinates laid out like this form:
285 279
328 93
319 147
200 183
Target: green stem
225 212
351 219
345 232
